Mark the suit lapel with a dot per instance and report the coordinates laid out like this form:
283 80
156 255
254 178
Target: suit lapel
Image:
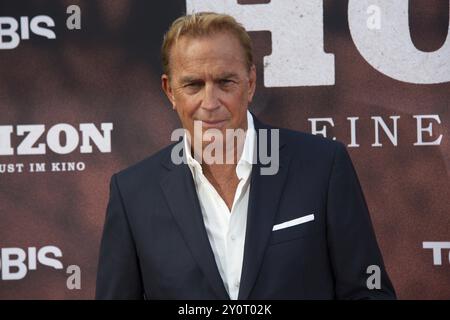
179 190
265 193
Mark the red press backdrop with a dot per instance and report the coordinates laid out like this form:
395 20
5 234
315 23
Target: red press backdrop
75 74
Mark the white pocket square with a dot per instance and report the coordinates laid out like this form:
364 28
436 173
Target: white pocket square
291 223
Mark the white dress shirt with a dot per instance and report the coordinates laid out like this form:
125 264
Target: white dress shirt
226 230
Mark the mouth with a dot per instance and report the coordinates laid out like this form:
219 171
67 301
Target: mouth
213 123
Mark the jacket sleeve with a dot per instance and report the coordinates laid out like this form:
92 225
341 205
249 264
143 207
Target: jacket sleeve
351 239
118 273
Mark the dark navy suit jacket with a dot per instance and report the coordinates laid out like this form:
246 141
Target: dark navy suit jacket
155 245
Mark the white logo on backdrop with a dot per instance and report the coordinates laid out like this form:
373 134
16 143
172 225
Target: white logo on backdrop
13 31
16 263
60 139
379 28
438 248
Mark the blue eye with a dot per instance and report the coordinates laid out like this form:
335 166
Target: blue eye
225 81
193 86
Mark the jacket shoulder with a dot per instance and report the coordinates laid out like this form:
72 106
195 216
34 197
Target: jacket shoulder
306 143
302 141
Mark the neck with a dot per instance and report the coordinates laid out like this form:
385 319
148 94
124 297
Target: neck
216 154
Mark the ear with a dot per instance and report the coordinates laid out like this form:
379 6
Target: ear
251 83
165 83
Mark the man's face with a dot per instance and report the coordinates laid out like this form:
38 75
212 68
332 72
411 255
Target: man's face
210 82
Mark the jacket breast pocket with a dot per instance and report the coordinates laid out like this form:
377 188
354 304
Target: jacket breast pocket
288 231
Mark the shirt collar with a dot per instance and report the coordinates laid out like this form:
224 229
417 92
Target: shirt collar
245 162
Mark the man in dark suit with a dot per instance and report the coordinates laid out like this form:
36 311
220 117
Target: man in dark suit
213 230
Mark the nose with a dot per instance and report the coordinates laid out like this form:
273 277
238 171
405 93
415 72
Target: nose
210 100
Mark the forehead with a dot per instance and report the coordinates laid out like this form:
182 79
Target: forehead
211 53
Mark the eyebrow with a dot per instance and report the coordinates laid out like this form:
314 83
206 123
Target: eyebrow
226 75
189 79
